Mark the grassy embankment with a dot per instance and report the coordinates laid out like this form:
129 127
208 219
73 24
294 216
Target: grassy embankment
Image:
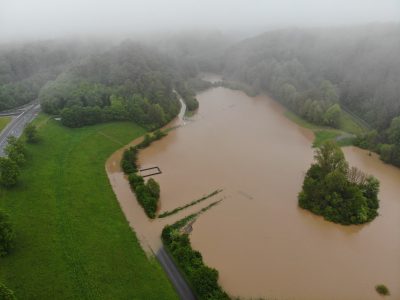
73 241
344 136
3 122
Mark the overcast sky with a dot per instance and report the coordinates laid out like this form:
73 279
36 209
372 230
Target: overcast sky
52 18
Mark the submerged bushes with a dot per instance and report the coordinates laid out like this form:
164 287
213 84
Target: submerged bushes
148 193
203 279
174 211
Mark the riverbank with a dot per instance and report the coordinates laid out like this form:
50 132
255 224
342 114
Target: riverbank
73 241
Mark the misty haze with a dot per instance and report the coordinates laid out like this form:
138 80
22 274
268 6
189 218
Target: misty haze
200 149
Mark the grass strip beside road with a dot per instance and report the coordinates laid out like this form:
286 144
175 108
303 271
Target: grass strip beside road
3 122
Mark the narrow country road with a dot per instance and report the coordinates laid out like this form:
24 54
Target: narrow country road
18 123
181 286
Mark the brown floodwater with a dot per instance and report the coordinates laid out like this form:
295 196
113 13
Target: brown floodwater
258 239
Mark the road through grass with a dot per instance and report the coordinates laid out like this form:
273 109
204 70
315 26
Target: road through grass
73 241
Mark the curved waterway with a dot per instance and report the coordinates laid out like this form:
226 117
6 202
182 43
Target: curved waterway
258 239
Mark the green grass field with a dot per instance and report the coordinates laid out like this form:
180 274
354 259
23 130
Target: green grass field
3 122
349 124
348 127
73 241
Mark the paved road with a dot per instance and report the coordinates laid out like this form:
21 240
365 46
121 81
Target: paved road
17 124
184 291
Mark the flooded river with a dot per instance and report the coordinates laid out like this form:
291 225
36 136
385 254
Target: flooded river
258 239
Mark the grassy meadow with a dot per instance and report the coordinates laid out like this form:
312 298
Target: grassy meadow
72 239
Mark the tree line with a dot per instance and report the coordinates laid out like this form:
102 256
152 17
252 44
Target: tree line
128 82
26 68
203 279
147 193
9 171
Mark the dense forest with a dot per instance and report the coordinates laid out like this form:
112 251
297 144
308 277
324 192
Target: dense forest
92 81
319 72
128 82
25 68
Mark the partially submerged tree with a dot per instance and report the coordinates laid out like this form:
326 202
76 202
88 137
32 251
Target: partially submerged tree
339 194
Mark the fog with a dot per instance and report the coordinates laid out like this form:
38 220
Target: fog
21 19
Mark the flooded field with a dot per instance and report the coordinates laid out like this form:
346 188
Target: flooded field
258 239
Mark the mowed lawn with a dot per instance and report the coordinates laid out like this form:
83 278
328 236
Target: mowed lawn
73 241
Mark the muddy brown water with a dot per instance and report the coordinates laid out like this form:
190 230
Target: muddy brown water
258 239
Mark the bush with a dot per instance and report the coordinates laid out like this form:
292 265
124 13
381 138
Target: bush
129 159
158 134
6 234
153 188
30 132
6 293
382 290
147 194
15 150
9 172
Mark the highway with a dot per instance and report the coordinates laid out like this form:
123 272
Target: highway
16 127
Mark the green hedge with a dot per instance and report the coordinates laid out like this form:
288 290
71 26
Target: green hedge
203 279
147 194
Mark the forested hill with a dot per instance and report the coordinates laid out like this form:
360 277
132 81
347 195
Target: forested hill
25 68
358 64
128 82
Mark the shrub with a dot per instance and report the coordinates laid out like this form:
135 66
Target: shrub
128 161
153 188
6 234
382 290
158 134
15 150
30 132
147 194
9 172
